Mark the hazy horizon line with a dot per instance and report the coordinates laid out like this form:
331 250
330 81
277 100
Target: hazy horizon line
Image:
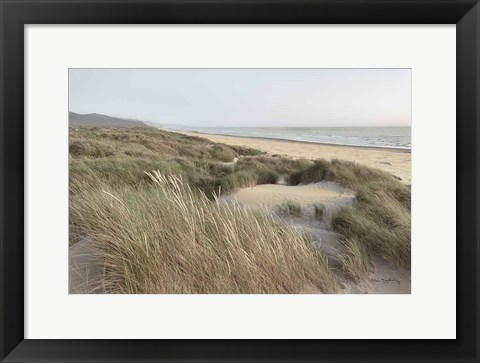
217 127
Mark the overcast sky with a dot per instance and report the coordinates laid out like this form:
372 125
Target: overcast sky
246 97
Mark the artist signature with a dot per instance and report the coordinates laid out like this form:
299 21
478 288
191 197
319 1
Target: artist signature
386 281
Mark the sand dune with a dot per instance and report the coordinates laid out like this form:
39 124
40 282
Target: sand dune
269 195
395 161
266 197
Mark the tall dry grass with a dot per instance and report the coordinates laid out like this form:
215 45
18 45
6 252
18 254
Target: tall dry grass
355 259
168 238
380 223
377 225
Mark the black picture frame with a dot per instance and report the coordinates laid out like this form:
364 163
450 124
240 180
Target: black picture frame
17 13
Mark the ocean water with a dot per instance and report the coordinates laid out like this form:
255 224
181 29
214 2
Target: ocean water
388 137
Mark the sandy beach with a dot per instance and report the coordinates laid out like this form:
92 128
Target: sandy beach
395 161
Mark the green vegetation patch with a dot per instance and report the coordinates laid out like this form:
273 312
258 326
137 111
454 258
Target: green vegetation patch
319 211
289 208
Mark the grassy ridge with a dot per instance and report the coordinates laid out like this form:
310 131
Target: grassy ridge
120 156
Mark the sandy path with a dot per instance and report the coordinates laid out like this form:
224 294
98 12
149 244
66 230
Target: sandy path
269 195
84 272
397 162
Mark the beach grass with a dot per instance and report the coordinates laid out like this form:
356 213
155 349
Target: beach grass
319 211
167 238
380 217
289 209
355 259
380 222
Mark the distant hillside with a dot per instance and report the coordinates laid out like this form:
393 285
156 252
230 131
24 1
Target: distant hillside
95 119
153 124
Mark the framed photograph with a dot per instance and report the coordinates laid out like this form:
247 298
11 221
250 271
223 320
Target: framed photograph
239 181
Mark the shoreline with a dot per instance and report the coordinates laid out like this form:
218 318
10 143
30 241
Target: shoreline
394 161
383 148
